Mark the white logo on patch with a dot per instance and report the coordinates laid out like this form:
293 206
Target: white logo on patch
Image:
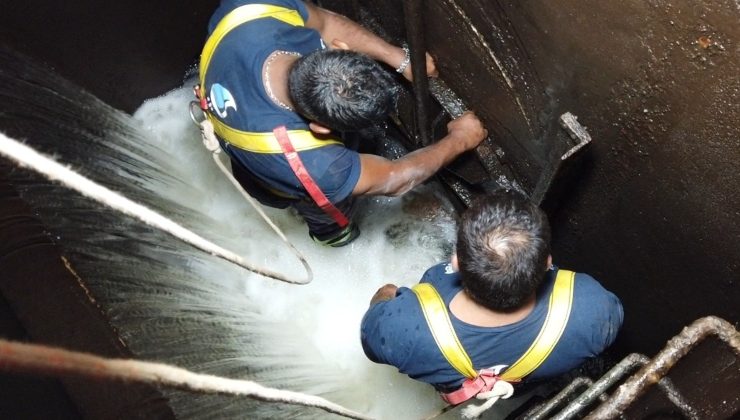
221 100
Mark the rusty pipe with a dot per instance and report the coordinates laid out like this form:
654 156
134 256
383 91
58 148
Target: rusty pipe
622 369
657 368
543 410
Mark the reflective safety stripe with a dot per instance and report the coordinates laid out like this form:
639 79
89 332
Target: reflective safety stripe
561 300
266 142
235 18
444 335
251 141
435 312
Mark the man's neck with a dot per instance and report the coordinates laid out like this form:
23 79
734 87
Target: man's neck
469 311
275 72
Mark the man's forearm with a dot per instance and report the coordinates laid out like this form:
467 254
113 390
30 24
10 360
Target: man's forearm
334 27
419 165
393 178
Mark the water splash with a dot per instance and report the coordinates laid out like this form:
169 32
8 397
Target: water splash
175 304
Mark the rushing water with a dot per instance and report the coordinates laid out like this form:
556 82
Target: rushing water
175 304
317 324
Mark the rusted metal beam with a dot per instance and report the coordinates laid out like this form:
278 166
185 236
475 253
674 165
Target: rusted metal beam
623 368
654 371
543 410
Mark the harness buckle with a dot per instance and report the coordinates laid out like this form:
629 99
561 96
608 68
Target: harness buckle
484 382
197 114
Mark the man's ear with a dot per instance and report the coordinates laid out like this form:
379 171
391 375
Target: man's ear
318 128
339 45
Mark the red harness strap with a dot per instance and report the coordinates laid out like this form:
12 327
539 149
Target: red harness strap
471 387
281 134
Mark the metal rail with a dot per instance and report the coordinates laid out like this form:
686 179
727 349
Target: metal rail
616 373
541 411
655 371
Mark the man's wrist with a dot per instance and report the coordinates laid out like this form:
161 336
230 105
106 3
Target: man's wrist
406 59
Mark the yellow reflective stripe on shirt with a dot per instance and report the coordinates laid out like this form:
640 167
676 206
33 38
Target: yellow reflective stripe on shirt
235 18
435 312
438 319
558 312
266 142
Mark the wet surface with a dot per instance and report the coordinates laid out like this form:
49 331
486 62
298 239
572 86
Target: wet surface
654 215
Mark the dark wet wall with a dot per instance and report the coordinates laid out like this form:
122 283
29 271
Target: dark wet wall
121 51
655 213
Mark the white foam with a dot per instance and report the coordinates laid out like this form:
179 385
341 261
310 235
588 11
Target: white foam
395 247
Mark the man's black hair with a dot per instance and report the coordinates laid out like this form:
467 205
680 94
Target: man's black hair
343 90
503 242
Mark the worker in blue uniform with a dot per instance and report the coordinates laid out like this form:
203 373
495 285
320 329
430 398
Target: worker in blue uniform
498 311
279 79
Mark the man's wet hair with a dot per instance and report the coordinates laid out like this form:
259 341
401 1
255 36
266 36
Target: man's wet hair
503 243
342 90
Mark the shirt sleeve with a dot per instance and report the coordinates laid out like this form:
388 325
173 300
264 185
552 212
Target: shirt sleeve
377 330
599 311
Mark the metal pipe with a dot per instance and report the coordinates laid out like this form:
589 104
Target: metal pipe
610 378
599 387
656 369
543 410
414 19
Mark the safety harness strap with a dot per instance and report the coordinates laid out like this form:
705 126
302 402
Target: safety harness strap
265 142
437 317
435 312
281 134
237 17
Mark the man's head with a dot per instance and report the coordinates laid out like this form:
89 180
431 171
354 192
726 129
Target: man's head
342 90
503 245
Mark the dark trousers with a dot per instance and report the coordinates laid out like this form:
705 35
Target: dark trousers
320 224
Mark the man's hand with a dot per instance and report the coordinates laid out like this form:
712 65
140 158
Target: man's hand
431 69
380 176
386 292
467 129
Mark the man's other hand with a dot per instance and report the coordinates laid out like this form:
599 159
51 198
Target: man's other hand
386 292
431 69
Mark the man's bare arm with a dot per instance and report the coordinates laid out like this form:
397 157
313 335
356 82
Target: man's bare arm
380 176
336 29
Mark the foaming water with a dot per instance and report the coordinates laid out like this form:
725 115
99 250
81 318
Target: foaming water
400 239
